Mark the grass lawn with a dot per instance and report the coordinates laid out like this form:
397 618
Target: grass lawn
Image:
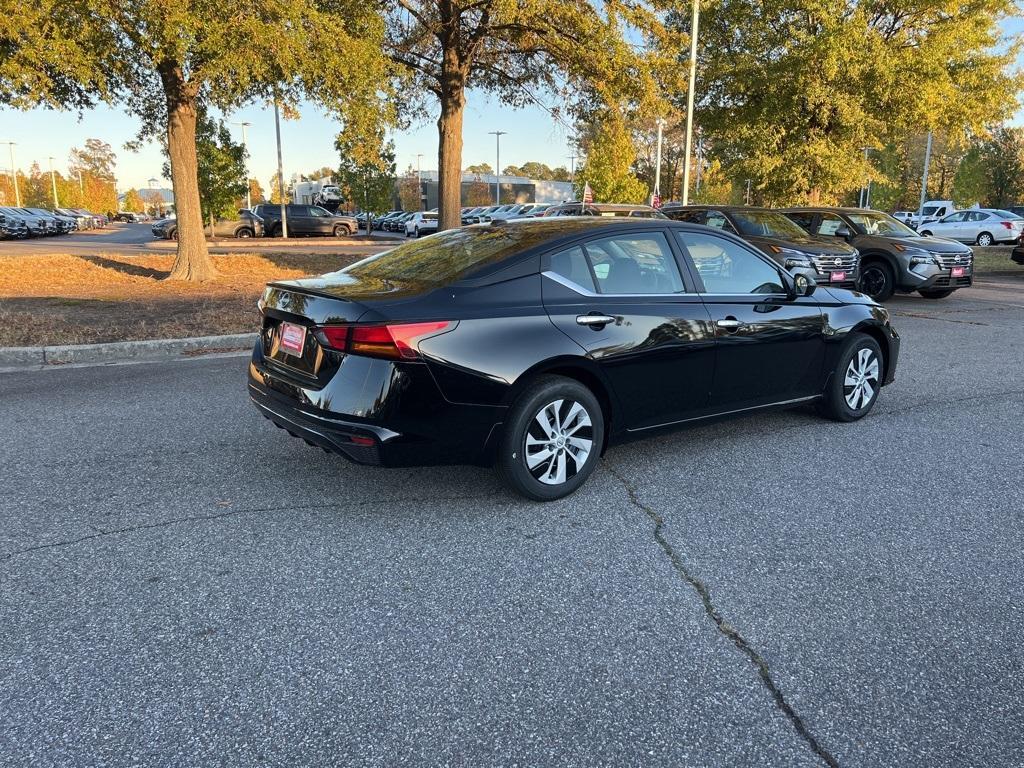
65 299
995 259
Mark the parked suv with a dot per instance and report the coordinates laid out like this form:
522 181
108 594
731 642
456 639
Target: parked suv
245 224
824 259
11 225
305 220
893 257
602 209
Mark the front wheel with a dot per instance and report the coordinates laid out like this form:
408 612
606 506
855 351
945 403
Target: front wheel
552 439
937 294
877 280
855 382
985 239
926 233
342 230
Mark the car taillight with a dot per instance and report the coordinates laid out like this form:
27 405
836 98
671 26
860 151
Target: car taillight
1007 224
394 341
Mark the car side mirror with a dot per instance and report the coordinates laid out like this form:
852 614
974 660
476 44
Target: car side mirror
799 285
843 232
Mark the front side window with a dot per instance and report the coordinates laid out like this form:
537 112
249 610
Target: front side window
730 268
634 264
953 218
829 224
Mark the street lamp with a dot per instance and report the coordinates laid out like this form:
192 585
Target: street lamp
689 101
419 182
245 146
497 171
53 183
280 172
14 174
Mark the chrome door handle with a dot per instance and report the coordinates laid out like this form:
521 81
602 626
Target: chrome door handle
594 319
728 324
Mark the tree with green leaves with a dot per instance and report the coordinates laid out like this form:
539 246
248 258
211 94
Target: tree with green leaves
608 167
791 91
992 172
409 191
133 201
367 170
165 60
220 168
517 50
481 169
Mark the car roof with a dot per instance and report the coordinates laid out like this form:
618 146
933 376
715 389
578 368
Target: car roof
828 209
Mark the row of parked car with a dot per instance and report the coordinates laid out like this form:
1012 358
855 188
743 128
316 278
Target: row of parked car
41 222
265 220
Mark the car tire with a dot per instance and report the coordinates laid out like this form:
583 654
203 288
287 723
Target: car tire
534 435
244 233
925 233
853 387
937 294
172 235
416 232
877 280
342 230
985 239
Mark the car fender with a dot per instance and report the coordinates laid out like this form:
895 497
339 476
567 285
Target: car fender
888 258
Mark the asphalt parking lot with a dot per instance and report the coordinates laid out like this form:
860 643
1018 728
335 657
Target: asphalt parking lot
181 584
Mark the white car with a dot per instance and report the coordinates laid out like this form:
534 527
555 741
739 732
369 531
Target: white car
983 226
421 223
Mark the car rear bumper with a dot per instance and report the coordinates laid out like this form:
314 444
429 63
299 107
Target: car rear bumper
396 426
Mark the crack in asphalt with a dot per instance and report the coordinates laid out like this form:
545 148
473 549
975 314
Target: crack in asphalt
102 532
723 626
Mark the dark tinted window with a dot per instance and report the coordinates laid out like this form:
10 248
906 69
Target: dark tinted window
572 265
718 220
766 224
457 253
640 263
803 220
728 267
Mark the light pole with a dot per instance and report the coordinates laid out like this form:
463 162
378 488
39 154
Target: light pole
419 182
497 171
14 175
657 166
53 184
280 172
689 101
924 179
245 146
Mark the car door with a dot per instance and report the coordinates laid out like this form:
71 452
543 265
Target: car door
950 226
976 222
622 297
769 347
299 220
321 220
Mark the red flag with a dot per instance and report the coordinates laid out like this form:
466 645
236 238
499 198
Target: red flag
588 193
656 200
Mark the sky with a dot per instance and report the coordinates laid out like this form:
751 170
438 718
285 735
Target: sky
306 143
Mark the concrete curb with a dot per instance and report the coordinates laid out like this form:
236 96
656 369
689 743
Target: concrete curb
27 358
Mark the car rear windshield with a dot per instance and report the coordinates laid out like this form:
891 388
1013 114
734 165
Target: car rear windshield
454 254
1005 214
767 224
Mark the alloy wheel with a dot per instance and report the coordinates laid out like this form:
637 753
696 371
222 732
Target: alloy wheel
984 239
872 280
558 442
861 380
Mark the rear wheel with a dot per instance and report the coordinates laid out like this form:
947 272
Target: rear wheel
244 233
854 385
174 234
877 280
937 294
552 439
984 239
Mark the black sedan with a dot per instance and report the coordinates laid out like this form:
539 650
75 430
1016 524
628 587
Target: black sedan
534 345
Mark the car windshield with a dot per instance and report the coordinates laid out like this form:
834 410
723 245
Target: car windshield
881 224
929 210
767 224
449 255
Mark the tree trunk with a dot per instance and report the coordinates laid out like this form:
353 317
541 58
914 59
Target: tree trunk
449 149
193 262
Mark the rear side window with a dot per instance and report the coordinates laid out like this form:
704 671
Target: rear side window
634 264
729 268
572 265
